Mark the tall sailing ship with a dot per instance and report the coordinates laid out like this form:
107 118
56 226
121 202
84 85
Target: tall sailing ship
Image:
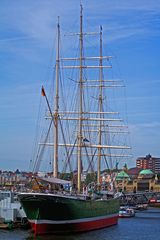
85 136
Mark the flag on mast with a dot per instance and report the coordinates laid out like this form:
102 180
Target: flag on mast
43 92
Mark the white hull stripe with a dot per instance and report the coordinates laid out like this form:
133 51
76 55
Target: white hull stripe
41 221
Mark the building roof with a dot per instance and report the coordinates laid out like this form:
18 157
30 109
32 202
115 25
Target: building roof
55 180
134 171
146 172
122 175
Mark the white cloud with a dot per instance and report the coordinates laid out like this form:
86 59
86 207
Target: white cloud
38 19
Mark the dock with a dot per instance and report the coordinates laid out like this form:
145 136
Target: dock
139 198
12 214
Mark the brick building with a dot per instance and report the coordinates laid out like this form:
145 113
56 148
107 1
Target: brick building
149 162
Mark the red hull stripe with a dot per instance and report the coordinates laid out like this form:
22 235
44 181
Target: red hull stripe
71 221
43 227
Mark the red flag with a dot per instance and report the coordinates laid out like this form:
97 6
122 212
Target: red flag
43 92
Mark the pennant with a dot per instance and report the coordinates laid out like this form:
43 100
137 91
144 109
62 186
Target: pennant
43 92
85 140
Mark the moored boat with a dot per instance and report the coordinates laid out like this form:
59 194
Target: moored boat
126 212
60 211
64 214
141 207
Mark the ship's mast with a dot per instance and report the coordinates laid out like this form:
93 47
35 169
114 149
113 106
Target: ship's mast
56 107
86 119
79 150
100 109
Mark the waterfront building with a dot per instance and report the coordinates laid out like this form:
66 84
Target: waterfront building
122 176
145 181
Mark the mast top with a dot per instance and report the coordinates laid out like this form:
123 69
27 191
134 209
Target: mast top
58 21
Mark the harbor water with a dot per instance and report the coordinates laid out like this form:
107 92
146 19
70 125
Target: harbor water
144 226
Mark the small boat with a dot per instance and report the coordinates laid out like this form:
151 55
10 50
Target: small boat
126 212
141 207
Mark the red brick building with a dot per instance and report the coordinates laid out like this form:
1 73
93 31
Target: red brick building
149 162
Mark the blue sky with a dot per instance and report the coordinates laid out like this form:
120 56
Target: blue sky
27 34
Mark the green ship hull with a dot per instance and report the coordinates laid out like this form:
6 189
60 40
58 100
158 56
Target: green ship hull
64 214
